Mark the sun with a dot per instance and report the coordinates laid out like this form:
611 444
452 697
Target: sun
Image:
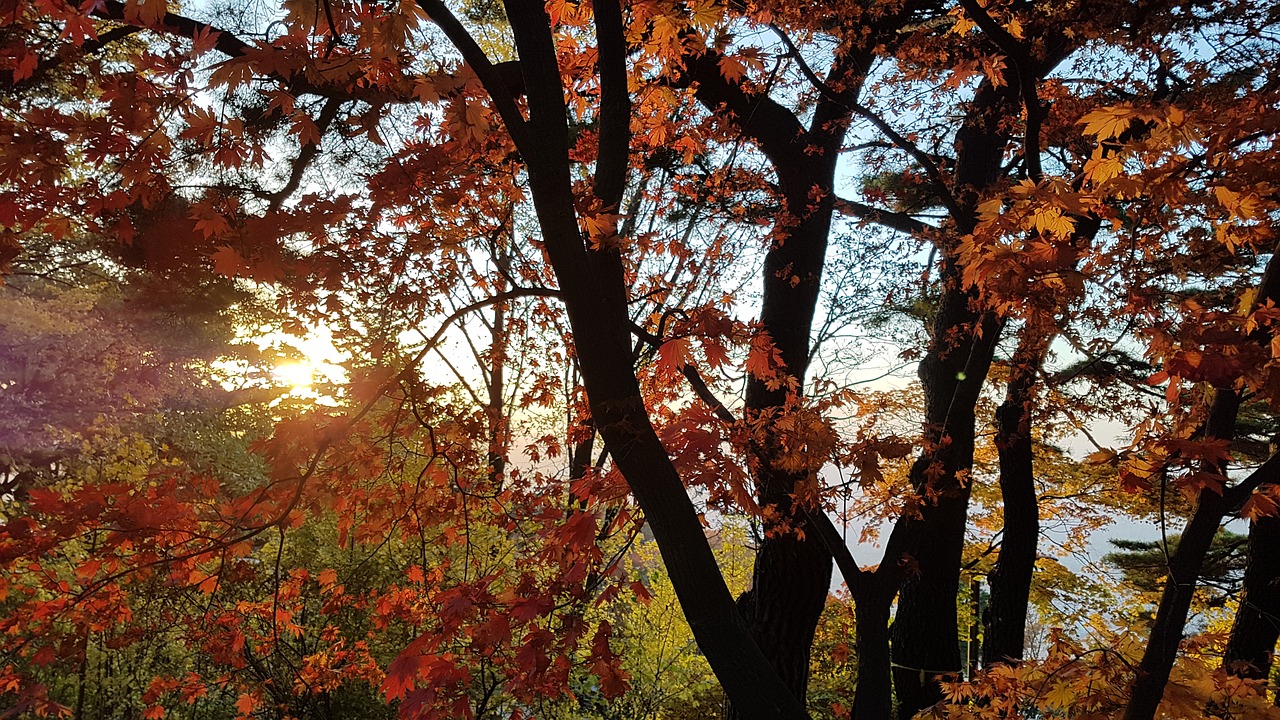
296 375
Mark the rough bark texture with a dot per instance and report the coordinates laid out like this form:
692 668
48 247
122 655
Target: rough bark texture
874 698
1005 620
1257 623
792 574
925 631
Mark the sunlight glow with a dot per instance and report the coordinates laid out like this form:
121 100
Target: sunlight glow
296 375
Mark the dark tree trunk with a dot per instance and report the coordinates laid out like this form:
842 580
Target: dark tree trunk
792 573
926 644
1185 565
1005 621
1184 573
496 406
594 291
1257 623
1171 616
874 698
925 631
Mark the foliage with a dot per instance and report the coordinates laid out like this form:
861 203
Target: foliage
596 272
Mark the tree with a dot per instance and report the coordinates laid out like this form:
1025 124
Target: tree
425 184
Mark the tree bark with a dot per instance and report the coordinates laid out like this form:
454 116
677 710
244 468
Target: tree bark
792 572
1175 603
1005 621
1256 628
1185 565
593 288
925 631
874 697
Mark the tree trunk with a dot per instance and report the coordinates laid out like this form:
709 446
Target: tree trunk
874 697
496 407
1184 568
926 637
1184 573
1171 617
593 288
1257 623
792 573
925 629
1005 621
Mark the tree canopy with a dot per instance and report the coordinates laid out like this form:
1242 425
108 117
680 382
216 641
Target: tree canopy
618 298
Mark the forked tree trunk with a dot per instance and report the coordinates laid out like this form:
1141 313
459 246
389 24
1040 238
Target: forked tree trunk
593 288
925 631
1005 621
792 572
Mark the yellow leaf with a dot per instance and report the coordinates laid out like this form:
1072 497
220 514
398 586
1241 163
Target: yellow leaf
1061 696
1102 169
705 14
989 210
1227 198
1051 221
1108 122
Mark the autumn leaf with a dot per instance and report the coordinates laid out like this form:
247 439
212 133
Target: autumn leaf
228 262
402 674
305 129
673 355
1109 122
1101 169
1260 505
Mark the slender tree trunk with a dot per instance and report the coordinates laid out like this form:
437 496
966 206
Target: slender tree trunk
1010 581
1257 623
1184 573
1175 604
975 627
1185 565
496 407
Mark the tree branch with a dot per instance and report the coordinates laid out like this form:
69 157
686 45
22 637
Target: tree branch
306 154
615 105
881 216
492 80
51 64
773 127
1024 65
925 160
